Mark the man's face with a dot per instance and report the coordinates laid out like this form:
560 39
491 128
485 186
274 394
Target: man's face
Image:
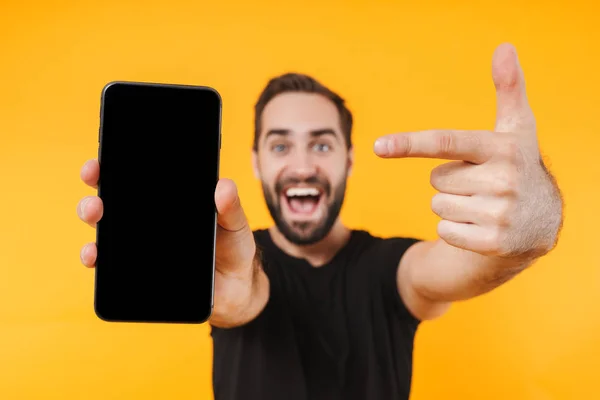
303 162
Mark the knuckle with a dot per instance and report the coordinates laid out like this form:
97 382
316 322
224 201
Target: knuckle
449 235
510 150
497 243
446 143
441 206
81 208
479 141
446 177
435 179
400 145
454 239
500 215
440 176
506 182
437 204
491 242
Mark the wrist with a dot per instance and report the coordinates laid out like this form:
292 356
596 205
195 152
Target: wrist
241 298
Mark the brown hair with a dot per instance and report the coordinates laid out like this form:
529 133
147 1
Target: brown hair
295 82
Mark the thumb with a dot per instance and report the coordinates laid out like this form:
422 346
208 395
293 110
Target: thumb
513 113
236 248
231 216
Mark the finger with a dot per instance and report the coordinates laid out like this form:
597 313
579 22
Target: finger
90 210
472 146
471 237
513 112
480 210
231 216
90 172
455 177
466 179
88 255
454 208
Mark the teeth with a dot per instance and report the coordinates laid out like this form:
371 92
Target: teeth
302 192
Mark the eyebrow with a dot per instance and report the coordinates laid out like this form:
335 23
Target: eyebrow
313 133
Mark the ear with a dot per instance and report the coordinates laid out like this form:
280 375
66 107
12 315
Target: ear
350 160
255 164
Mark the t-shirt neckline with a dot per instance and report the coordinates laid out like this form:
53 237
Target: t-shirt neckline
301 262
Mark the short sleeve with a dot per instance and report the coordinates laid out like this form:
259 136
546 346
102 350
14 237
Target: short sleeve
390 253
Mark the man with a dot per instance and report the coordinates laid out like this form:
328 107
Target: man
311 309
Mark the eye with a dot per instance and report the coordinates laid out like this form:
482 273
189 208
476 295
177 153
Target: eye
322 147
278 148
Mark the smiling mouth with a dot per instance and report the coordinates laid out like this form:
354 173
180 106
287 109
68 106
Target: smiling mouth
303 201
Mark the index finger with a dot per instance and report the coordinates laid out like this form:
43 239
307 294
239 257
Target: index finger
90 172
471 146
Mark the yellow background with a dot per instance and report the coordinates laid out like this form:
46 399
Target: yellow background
402 66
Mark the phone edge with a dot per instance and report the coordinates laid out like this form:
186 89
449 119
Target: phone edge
200 319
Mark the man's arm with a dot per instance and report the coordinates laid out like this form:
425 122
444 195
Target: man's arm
433 274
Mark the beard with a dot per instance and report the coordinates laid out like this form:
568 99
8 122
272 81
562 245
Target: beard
306 233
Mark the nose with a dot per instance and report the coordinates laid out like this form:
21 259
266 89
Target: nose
302 166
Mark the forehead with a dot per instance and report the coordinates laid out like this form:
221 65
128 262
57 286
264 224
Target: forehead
300 113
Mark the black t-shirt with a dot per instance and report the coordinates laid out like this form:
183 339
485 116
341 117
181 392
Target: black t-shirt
339 331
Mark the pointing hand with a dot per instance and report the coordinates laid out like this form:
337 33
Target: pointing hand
495 196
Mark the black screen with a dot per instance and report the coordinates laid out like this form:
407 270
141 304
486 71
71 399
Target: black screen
159 157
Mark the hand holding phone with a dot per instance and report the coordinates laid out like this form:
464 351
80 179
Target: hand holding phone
241 287
159 244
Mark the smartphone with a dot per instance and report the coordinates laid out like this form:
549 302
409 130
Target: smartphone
158 152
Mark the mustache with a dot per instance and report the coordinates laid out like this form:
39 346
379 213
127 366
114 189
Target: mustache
321 183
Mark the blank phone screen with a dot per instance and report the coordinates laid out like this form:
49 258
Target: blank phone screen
159 160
